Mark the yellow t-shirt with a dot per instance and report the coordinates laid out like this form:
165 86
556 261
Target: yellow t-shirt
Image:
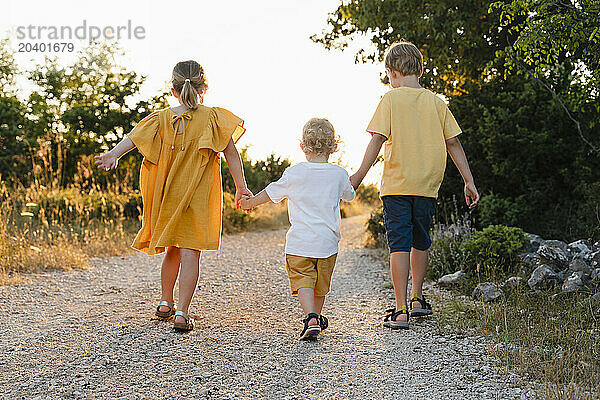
417 124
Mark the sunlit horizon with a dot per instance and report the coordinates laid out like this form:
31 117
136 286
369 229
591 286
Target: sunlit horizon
259 61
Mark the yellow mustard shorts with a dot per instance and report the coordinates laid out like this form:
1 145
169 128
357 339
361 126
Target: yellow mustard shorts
310 272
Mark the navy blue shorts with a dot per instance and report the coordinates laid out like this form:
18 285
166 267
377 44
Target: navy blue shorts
407 221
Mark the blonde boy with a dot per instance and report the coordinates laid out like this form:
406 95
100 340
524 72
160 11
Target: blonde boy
314 190
418 129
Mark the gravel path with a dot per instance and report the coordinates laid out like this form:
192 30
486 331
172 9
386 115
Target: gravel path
90 334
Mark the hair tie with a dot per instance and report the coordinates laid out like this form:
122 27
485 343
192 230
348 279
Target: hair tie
187 80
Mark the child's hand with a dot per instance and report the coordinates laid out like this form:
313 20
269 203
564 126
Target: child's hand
107 161
239 193
245 203
471 195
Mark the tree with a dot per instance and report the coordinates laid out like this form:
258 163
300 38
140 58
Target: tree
458 38
551 33
532 168
258 174
14 147
82 109
530 136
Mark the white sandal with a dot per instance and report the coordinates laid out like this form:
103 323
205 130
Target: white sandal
184 327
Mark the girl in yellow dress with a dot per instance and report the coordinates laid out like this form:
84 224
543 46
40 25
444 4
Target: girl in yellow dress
180 181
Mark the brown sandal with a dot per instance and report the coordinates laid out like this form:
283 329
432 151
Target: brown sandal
187 326
165 314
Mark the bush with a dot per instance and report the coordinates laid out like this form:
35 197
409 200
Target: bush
493 252
368 194
376 229
532 167
447 253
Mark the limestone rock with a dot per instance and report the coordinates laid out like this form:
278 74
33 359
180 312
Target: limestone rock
487 292
454 279
534 242
543 277
514 283
554 253
573 282
579 246
580 265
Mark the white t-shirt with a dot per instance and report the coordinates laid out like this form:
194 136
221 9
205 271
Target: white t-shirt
313 191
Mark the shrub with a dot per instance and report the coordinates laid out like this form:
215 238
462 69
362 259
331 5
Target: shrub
368 194
447 253
494 251
376 229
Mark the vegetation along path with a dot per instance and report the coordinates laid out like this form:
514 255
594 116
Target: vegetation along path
91 334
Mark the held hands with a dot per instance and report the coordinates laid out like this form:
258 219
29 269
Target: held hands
107 161
245 203
240 194
471 195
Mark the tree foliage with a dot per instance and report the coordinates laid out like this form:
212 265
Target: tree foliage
548 33
458 39
258 174
73 112
520 78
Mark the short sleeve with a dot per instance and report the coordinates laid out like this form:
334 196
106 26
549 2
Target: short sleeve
382 119
451 128
224 126
348 193
146 137
278 190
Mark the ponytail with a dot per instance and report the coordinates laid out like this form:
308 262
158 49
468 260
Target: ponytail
189 82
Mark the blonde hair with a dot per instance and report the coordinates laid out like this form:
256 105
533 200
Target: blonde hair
189 82
318 137
405 58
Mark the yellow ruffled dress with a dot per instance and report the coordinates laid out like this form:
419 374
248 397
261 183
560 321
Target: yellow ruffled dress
180 178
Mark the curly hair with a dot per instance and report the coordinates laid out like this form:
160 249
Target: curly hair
318 137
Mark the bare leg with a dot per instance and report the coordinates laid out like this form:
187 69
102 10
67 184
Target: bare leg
188 279
319 301
168 275
306 296
418 265
400 264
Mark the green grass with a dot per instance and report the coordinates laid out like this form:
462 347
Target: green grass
551 338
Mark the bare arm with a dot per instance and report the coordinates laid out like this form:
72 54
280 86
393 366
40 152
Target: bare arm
369 158
237 171
248 203
457 154
110 159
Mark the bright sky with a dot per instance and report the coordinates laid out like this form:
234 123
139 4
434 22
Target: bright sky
257 55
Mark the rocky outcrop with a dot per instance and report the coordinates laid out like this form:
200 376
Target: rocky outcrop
554 263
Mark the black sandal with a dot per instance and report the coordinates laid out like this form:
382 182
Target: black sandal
310 331
390 319
323 322
424 310
165 315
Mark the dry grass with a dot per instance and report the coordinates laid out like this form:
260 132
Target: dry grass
552 338
61 228
355 208
48 229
